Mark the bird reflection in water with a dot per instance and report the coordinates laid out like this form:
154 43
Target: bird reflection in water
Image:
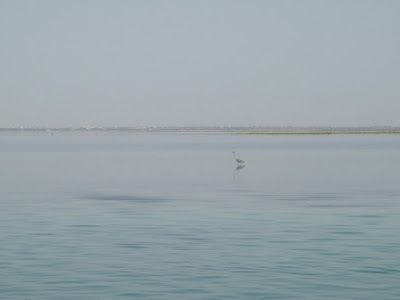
238 168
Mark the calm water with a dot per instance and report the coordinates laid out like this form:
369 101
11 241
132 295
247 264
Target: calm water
168 216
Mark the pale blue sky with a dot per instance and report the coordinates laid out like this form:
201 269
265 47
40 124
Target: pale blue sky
158 63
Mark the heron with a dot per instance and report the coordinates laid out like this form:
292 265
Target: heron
238 160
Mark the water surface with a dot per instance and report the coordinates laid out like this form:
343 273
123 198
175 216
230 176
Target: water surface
122 216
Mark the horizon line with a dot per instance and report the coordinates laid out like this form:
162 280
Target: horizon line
201 127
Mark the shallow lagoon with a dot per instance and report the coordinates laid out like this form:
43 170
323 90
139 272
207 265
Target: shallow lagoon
168 216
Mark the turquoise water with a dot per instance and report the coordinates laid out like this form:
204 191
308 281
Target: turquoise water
132 216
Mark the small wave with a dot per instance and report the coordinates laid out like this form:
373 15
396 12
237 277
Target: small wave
118 197
131 245
377 270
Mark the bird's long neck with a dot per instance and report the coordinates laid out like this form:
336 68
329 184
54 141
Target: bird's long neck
234 155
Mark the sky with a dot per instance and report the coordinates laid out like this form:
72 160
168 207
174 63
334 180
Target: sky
199 63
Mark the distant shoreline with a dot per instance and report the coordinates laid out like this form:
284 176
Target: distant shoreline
238 130
317 132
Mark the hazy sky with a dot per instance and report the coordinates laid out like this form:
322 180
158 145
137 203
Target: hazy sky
227 62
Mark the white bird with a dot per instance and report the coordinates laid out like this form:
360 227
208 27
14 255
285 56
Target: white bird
238 160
